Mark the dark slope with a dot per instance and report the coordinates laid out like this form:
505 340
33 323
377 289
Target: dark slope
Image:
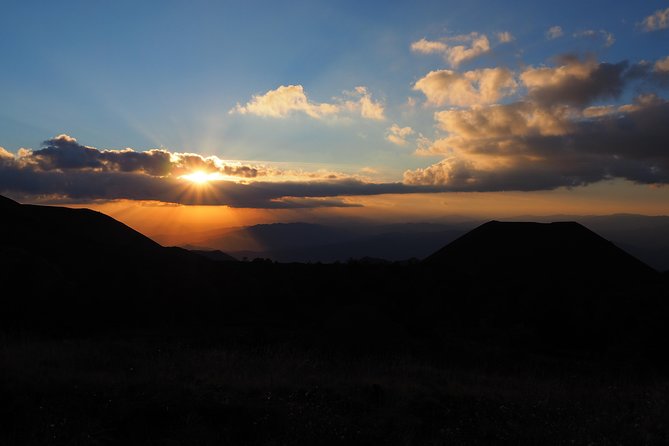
76 236
550 285
49 227
515 248
215 255
7 203
55 256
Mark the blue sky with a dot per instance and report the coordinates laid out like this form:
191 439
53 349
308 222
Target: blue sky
138 74
171 74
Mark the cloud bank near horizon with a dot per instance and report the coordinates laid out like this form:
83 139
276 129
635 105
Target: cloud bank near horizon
64 170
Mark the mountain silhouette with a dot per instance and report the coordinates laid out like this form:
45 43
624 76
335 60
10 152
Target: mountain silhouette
64 245
645 237
7 203
216 255
526 249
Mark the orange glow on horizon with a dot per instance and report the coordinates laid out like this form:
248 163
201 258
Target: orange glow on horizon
173 224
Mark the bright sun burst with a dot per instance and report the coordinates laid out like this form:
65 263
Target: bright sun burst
200 177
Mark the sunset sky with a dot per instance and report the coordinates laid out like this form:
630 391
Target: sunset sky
194 115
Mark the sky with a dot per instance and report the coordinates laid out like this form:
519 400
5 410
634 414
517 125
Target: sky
210 114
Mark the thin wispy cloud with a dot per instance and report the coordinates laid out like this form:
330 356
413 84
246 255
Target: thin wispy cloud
606 37
554 32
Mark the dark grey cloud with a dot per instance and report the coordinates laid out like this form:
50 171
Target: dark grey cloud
82 182
649 76
64 153
628 142
575 81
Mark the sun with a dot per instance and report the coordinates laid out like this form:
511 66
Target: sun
200 177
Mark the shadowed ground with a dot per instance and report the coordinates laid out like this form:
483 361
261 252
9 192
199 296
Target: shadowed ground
112 339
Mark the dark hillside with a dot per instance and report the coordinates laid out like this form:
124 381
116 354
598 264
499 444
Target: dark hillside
526 249
514 332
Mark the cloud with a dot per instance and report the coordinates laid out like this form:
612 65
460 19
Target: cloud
527 146
365 105
607 37
86 185
598 111
575 81
662 65
4 154
425 46
397 135
494 129
63 153
287 100
656 21
460 53
516 119
485 86
66 171
554 32
309 202
282 102
650 74
505 37
469 46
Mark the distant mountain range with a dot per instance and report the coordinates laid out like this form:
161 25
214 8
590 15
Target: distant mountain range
88 268
306 242
645 237
86 241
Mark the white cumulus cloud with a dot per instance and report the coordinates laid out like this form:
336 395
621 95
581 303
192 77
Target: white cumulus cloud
484 86
287 100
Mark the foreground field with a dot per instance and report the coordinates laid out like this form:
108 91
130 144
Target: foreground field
138 390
